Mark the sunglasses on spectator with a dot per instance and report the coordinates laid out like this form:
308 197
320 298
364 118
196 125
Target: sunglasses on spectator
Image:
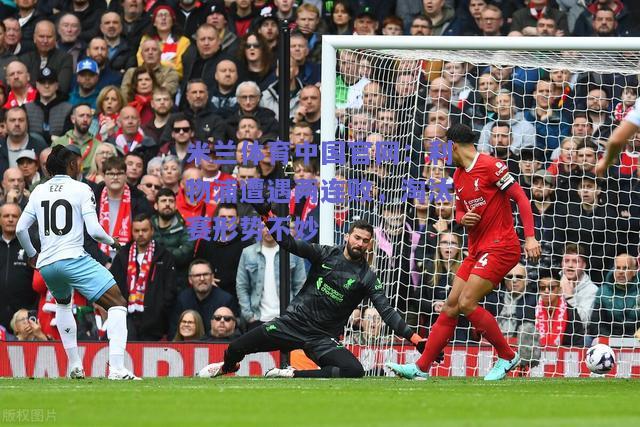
515 277
185 129
253 45
226 318
150 185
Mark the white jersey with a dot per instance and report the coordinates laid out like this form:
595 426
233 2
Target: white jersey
634 115
59 206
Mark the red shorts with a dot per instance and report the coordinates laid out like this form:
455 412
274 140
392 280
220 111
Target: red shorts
491 263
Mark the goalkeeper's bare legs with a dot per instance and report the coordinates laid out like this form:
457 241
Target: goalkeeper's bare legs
464 299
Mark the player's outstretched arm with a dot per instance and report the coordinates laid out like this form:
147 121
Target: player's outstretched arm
531 245
22 232
96 231
617 141
287 242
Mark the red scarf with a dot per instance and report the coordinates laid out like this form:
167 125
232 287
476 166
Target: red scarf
169 49
552 329
12 101
140 101
137 278
102 119
537 13
122 228
123 144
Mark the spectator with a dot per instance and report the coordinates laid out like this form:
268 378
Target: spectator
599 114
145 272
161 105
87 79
103 152
98 50
200 60
202 295
248 95
365 23
118 204
241 15
134 21
525 20
207 125
130 136
516 306
190 15
119 50
165 76
256 60
616 311
182 134
89 14
577 287
48 113
69 37
551 124
268 26
258 280
522 131
170 231
28 164
105 121
81 116
546 213
224 325
440 99
557 323
491 21
26 327
172 43
307 19
467 21
5 55
171 171
271 96
623 19
547 27
223 252
140 92
20 91
150 185
223 91
190 327
18 138
440 15
309 71
13 187
218 18
134 168
604 23
13 37
28 16
341 20
15 275
421 26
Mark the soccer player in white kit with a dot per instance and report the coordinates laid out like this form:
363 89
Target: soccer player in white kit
63 206
619 139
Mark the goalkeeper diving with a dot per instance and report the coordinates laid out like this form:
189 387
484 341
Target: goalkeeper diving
338 281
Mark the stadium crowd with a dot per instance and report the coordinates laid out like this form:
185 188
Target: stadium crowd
131 84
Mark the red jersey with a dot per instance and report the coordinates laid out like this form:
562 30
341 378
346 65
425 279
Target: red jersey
482 186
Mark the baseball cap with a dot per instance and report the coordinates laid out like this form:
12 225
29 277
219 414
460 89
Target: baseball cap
266 13
27 154
47 75
366 10
546 175
88 64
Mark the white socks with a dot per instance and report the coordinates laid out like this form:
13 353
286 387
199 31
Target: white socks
117 333
66 324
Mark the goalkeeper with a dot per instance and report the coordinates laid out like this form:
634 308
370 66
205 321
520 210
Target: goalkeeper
338 281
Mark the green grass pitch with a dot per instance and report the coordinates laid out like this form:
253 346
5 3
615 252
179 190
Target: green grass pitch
239 402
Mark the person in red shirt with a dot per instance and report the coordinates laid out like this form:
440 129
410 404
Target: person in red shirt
484 189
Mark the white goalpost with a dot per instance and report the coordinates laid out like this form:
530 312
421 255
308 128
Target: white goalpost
543 105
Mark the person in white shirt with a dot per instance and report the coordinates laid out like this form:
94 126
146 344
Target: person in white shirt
63 207
619 139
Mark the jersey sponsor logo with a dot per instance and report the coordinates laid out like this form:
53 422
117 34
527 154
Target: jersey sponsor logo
349 283
501 168
474 203
460 189
328 290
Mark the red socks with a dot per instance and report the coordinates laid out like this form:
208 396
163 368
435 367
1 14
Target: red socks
487 326
440 334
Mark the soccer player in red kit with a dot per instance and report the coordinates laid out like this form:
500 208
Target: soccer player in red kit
483 191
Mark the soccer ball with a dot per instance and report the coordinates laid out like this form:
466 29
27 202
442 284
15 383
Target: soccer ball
600 359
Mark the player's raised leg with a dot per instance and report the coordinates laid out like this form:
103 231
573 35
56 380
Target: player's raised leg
441 332
486 325
115 304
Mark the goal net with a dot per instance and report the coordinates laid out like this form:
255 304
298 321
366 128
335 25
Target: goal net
545 108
